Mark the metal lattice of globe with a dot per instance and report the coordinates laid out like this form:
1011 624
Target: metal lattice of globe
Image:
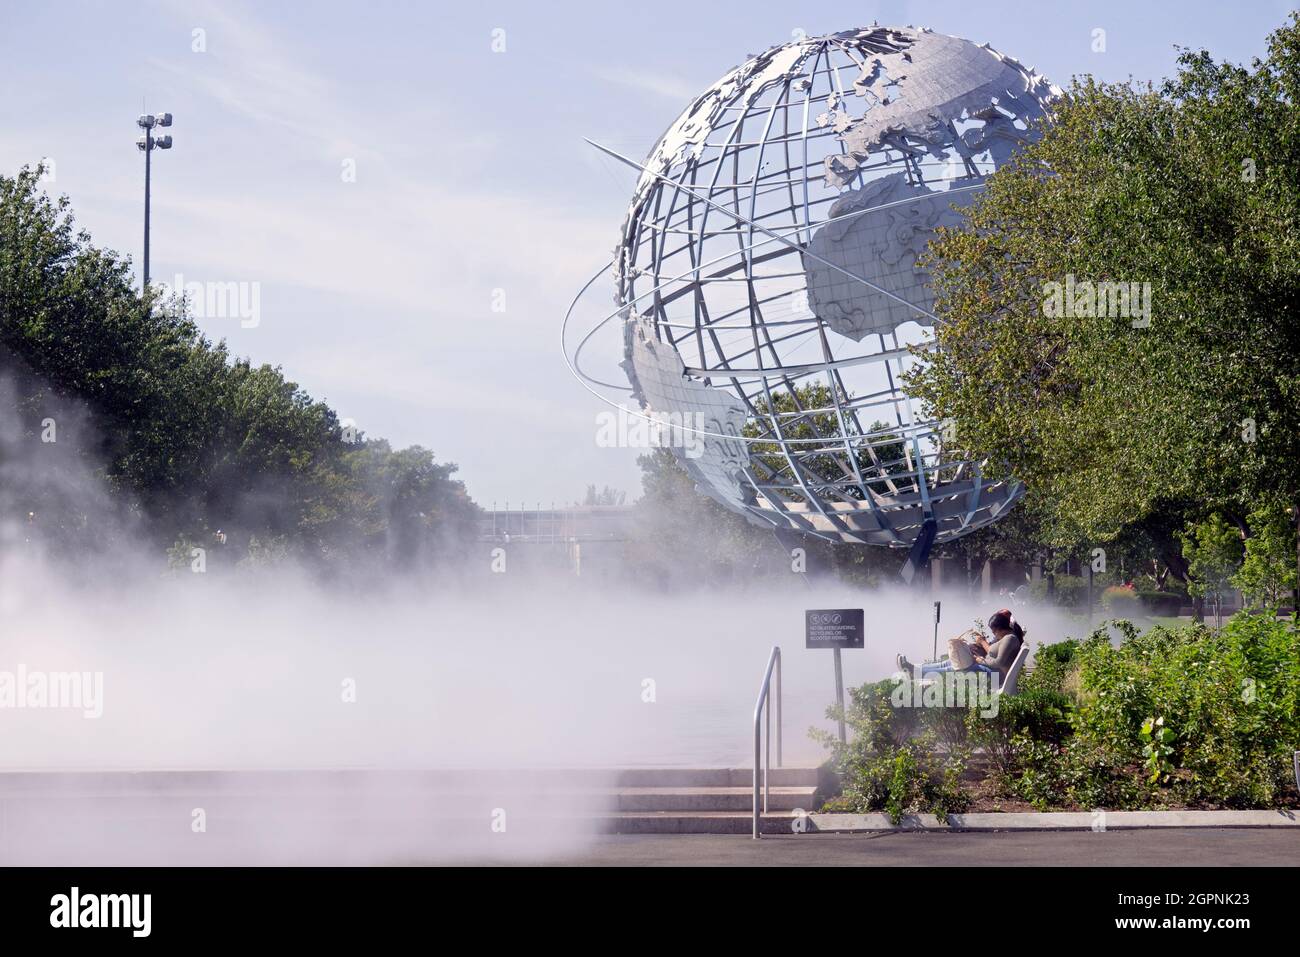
768 285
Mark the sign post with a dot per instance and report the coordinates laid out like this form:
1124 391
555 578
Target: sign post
835 628
935 656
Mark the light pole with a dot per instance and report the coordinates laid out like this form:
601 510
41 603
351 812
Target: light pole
147 144
1293 513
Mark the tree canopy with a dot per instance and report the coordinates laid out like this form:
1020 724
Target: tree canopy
1117 420
193 440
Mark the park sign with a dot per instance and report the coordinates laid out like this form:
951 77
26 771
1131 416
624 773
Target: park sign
833 628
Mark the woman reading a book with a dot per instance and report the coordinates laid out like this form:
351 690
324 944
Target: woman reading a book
987 656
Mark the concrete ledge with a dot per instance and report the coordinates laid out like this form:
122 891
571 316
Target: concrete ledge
1053 821
874 822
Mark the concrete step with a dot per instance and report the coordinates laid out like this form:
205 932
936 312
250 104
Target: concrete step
697 822
391 781
699 800
245 804
713 777
417 804
711 799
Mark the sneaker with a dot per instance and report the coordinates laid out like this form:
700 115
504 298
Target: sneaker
905 666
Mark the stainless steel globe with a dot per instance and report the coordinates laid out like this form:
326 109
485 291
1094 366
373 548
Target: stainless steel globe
768 286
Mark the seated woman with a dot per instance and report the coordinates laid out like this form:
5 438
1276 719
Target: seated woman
989 656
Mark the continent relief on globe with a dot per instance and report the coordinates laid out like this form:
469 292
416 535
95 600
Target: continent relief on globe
881 246
665 390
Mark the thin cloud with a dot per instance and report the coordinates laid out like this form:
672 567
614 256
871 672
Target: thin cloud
656 84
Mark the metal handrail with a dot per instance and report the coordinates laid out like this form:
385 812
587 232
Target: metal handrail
765 699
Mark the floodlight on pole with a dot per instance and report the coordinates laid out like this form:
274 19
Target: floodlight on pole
147 144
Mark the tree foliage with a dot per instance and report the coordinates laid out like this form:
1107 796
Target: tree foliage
193 440
1268 571
1193 187
1213 551
808 418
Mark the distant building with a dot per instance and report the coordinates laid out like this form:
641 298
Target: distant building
583 540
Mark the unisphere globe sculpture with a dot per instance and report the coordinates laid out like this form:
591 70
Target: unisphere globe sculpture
768 286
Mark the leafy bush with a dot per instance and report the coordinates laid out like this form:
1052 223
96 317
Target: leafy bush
1070 591
1145 582
900 760
1164 603
910 779
1062 652
1040 713
1172 716
1121 602
1050 776
1230 700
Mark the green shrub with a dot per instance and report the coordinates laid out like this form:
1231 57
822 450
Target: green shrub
1166 604
1148 583
1071 591
1050 665
1040 713
912 779
1054 776
1231 700
1093 779
900 760
1172 716
1038 773
1062 651
1121 602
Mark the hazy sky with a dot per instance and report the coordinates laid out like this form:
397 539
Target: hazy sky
471 175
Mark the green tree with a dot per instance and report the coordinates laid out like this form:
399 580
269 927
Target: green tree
808 413
1268 573
1194 188
1213 551
187 439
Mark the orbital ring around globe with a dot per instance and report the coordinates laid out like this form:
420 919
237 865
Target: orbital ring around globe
768 286
574 361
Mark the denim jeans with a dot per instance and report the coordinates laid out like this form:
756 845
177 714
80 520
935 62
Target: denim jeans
936 667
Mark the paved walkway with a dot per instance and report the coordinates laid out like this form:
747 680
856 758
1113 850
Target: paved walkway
1156 847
